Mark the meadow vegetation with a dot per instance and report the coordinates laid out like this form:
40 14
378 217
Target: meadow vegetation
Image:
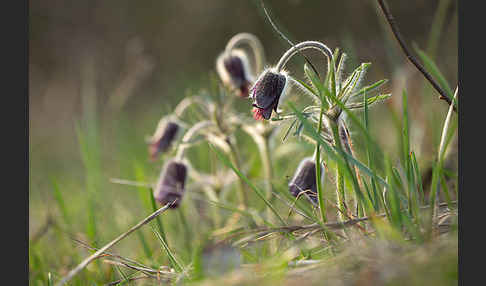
265 177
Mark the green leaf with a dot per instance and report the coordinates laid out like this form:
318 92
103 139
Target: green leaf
418 177
314 79
309 89
360 71
347 83
370 88
339 70
157 219
288 130
369 101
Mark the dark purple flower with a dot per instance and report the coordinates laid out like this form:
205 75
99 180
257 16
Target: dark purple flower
304 180
170 186
162 139
266 93
233 68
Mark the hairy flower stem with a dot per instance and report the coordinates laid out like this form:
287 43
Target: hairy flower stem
340 195
348 145
235 160
320 192
339 189
303 46
234 156
262 140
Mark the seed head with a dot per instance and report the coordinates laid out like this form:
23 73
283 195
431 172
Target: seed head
305 179
266 93
162 139
170 186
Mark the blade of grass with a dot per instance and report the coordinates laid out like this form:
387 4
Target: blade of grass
434 70
443 183
60 201
226 162
311 75
95 255
320 191
145 247
369 154
406 149
158 220
418 178
173 261
393 201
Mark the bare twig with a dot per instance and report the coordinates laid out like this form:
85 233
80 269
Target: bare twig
129 279
331 226
106 253
138 269
391 21
145 270
128 263
95 255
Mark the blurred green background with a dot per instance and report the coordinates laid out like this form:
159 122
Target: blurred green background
109 70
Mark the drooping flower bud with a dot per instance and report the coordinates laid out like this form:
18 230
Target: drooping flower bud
163 137
304 179
234 70
266 93
170 186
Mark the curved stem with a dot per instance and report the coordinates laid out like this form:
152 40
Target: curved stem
263 141
303 46
186 102
445 129
440 156
254 43
188 136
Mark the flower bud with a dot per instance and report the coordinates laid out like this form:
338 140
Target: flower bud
234 70
266 93
170 186
162 139
305 179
